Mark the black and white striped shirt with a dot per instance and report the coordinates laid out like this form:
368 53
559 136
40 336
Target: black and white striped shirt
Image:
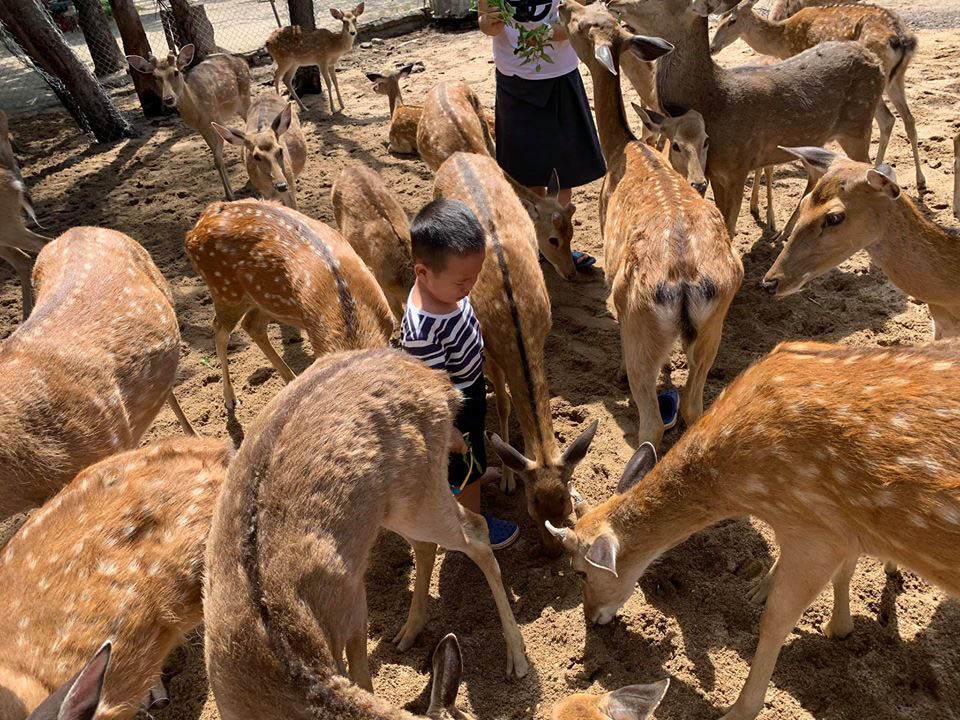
451 342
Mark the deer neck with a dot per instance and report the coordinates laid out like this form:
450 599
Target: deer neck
611 119
187 104
687 77
764 36
395 99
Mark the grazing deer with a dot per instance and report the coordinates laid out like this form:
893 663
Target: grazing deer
285 597
829 92
855 206
373 221
878 29
512 304
683 140
668 258
116 556
274 148
293 46
782 9
633 702
264 262
848 481
16 240
956 176
217 88
89 370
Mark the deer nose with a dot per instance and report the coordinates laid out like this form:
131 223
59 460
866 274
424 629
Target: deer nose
281 186
770 285
169 101
700 187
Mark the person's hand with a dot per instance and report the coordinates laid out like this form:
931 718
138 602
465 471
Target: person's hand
491 23
457 444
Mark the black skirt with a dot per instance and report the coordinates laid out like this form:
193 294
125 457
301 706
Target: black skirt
544 125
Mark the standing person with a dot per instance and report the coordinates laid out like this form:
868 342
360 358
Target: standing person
543 119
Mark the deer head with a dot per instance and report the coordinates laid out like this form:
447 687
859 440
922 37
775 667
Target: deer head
731 26
169 71
689 144
553 223
389 83
263 150
349 19
633 702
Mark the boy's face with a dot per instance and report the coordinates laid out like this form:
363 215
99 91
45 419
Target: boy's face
455 281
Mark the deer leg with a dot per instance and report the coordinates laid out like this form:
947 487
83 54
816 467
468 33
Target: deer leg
755 195
728 194
890 568
288 81
886 121
841 624
215 142
508 480
802 571
424 555
255 324
761 590
645 350
23 265
857 148
178 411
332 71
897 93
771 216
701 353
224 321
325 71
956 176
356 643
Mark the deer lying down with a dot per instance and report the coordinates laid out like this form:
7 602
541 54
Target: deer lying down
855 206
782 9
846 481
320 472
89 370
117 555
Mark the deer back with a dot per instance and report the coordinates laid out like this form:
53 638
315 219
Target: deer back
85 375
452 121
221 83
117 554
307 47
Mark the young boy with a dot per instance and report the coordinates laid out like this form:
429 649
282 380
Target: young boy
440 327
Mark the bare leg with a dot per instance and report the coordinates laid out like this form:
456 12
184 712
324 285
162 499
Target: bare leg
256 326
885 120
424 555
178 411
224 321
841 624
898 95
508 480
23 266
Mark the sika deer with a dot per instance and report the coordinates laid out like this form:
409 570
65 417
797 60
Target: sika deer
668 258
264 262
292 46
782 9
16 239
218 87
318 476
116 556
512 304
88 371
848 482
375 224
855 206
879 30
683 140
633 702
829 92
274 148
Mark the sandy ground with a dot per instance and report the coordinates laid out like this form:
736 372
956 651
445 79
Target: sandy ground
689 618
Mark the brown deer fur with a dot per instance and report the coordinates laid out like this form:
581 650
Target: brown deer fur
782 9
118 555
633 702
264 262
815 441
91 367
15 238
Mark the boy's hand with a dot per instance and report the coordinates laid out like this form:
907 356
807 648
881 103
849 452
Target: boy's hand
491 21
457 444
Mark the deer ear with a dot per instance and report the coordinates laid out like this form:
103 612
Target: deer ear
645 119
77 699
553 185
358 10
650 48
235 137
816 160
373 77
511 457
578 448
186 56
884 179
604 56
447 671
141 65
637 467
636 702
405 70
281 123
337 14
602 553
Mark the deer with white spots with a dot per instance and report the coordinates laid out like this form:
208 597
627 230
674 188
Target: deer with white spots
879 30
848 479
358 443
782 9
274 147
373 221
86 374
213 91
264 262
513 307
293 46
117 555
855 206
667 255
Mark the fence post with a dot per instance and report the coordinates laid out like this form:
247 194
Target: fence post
107 58
194 27
135 43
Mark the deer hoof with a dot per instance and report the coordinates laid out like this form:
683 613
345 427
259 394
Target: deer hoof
838 630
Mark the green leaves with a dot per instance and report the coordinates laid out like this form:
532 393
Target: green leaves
532 44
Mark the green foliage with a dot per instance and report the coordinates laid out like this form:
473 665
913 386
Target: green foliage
531 44
105 4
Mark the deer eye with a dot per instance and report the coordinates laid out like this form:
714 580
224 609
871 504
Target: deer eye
835 218
675 147
555 242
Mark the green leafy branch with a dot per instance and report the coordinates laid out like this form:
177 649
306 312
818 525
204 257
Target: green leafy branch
532 44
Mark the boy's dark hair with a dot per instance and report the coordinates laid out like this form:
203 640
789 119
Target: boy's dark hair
442 228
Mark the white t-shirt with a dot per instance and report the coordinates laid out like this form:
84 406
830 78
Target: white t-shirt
530 14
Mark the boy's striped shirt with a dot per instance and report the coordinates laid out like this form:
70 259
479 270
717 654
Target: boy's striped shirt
452 342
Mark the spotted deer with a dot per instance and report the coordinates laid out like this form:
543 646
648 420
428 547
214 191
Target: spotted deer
513 307
116 555
264 262
285 595
855 206
217 88
828 92
682 140
633 702
86 374
274 147
293 46
373 221
880 30
668 257
849 481
782 9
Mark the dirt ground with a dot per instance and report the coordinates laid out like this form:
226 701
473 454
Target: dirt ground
689 618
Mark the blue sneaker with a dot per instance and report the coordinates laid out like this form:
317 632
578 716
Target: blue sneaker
503 533
669 401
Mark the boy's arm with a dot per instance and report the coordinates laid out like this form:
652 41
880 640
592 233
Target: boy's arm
490 22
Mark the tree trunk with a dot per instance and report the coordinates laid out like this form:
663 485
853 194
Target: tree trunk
193 27
307 81
33 29
107 58
135 43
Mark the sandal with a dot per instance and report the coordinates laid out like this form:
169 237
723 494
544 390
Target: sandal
669 402
582 260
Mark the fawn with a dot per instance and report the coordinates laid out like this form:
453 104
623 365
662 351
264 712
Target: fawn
218 87
683 141
293 46
855 206
262 261
846 481
672 269
319 474
512 304
633 702
274 148
88 371
782 9
375 224
116 555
